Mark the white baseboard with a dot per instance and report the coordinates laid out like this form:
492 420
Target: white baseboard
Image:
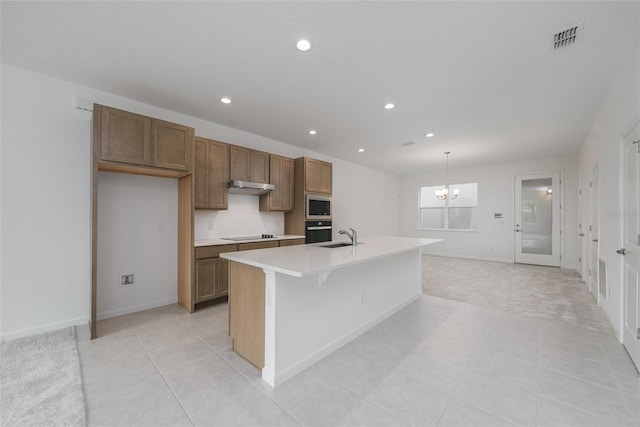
135 308
44 328
330 348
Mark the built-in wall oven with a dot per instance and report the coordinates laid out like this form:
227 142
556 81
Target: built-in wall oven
318 231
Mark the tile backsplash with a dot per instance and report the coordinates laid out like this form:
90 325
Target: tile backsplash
243 218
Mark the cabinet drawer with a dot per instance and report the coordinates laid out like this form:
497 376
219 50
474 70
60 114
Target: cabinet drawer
292 242
214 251
258 245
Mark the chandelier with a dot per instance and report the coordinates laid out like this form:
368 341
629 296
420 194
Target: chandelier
444 193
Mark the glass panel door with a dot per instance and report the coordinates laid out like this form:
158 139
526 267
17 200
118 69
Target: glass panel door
537 228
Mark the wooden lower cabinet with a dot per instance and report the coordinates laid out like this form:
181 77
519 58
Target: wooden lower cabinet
258 245
212 272
292 242
211 278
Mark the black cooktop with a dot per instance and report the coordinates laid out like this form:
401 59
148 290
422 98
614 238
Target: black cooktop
239 239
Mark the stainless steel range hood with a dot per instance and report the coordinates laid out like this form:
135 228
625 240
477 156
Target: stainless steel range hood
249 188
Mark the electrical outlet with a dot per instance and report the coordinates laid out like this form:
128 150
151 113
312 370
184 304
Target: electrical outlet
161 227
126 280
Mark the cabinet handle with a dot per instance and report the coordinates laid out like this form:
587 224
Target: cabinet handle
621 251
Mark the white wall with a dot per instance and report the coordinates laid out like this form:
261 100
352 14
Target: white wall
242 218
137 234
45 190
45 197
602 147
494 238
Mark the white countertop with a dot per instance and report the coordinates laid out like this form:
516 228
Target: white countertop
304 260
221 241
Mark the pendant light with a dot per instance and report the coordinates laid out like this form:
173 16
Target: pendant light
444 193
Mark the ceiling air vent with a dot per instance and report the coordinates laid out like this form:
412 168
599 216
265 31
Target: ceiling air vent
567 37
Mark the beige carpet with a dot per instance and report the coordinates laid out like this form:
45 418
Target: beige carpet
40 381
546 292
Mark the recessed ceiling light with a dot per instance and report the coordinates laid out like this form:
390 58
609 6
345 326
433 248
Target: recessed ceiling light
303 45
429 135
360 150
389 106
225 100
312 132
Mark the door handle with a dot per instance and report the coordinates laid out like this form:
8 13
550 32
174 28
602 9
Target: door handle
621 251
595 240
581 234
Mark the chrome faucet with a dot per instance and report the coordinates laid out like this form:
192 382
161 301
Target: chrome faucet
353 235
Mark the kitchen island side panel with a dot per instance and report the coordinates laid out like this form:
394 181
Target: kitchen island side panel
307 318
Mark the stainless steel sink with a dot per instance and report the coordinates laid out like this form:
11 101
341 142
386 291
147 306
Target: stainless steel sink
336 245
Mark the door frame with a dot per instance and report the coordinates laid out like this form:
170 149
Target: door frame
634 353
559 193
594 211
580 230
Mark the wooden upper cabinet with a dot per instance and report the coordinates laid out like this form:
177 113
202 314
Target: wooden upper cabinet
259 166
281 176
171 145
210 174
287 183
318 176
200 173
239 163
218 174
139 140
248 165
125 137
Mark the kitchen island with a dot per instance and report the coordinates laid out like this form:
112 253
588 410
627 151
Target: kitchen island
291 306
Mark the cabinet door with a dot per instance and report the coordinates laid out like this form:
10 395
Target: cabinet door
287 183
239 163
259 166
222 276
206 279
325 177
200 177
171 145
125 137
258 245
275 171
292 242
311 175
218 168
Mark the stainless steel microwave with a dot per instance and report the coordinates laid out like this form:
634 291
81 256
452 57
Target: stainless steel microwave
318 207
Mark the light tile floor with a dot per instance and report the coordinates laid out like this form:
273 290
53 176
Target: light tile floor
437 362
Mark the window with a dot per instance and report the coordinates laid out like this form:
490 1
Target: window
460 213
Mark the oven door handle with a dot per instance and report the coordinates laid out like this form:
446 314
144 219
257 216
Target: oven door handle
326 227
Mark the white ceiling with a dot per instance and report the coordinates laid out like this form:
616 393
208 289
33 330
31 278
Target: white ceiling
481 75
